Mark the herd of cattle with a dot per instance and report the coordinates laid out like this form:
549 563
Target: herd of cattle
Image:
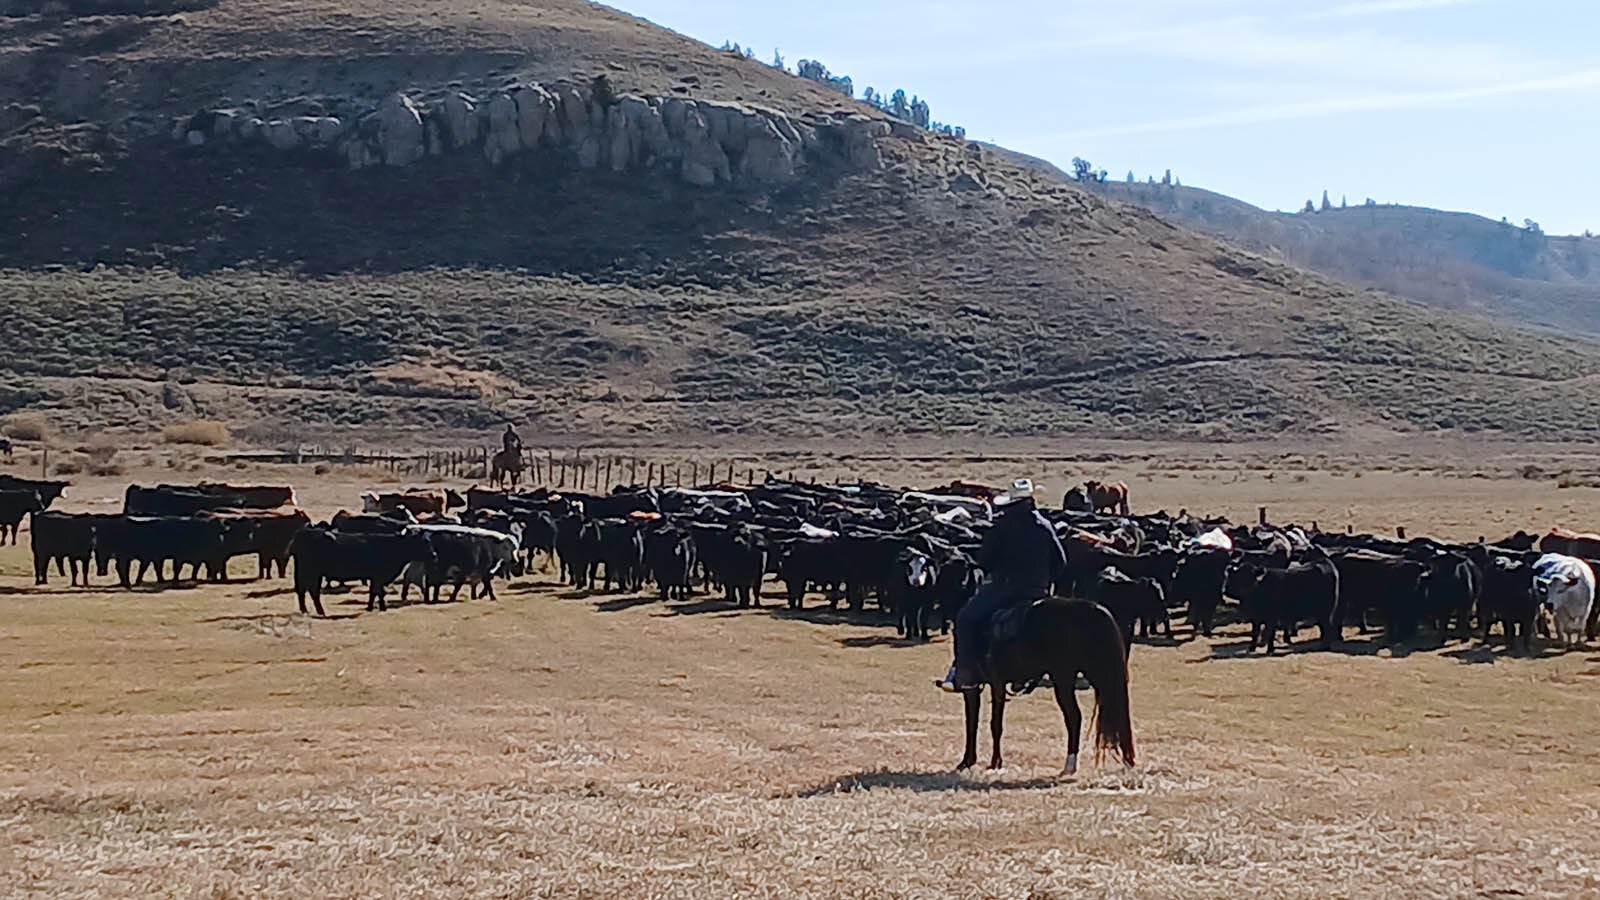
916 553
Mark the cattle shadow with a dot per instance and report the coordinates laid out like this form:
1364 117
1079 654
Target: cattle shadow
827 615
271 617
707 606
44 590
1481 654
926 783
621 604
1241 650
881 640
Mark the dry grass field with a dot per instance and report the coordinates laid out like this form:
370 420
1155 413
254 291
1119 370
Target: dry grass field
206 742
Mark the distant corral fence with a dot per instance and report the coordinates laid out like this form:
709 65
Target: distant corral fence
577 469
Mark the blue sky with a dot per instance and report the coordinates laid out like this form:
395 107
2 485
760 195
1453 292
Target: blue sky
1488 106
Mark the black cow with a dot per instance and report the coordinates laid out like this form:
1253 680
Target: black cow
811 564
172 500
578 547
14 507
622 553
322 555
734 558
538 534
66 539
270 537
958 581
1284 598
911 593
1508 598
460 556
49 491
1086 560
1450 592
1199 585
371 523
1388 585
1131 601
669 558
152 542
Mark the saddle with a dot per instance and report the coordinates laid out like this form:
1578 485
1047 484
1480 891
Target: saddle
1006 630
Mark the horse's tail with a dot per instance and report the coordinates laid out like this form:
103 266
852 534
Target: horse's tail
1098 652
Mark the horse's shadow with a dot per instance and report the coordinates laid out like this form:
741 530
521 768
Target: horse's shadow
927 783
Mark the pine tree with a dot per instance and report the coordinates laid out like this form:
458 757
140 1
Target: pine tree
1130 176
1310 207
1326 204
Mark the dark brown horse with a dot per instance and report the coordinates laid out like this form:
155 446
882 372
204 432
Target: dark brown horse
1062 639
1111 496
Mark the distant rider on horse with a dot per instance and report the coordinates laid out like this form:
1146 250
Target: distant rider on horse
512 442
1021 558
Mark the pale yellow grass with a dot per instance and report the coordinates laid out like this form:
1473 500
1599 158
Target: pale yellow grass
204 742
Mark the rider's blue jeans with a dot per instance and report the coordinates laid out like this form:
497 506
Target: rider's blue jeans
972 628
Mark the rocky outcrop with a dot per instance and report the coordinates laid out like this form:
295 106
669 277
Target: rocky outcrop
703 143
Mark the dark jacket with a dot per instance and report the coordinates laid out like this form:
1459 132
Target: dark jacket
1021 552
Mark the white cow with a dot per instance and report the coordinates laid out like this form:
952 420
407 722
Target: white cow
1564 585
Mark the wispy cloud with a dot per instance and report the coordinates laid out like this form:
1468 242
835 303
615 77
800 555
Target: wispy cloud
1384 7
1572 82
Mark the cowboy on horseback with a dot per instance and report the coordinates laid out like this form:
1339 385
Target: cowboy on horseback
1020 558
511 441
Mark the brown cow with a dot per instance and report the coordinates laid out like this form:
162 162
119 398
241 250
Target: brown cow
1571 543
255 496
1109 496
417 502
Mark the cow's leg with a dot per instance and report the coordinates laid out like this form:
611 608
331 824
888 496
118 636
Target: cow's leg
997 723
972 700
488 587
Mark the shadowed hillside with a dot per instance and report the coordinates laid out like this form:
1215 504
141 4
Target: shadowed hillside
912 284
1455 261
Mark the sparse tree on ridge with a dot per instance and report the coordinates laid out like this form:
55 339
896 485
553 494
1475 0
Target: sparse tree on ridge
899 106
1326 203
1532 226
1310 207
1130 176
1167 178
1344 202
1082 169
777 60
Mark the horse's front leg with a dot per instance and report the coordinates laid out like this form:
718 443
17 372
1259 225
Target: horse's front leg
973 700
997 723
1067 699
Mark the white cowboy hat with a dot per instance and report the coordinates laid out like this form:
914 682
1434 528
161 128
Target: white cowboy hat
1020 489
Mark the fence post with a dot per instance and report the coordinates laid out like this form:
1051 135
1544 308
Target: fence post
1261 513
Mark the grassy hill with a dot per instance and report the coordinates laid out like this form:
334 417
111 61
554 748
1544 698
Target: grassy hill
952 291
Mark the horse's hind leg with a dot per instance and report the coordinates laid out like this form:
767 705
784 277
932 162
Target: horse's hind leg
997 723
1067 699
973 700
